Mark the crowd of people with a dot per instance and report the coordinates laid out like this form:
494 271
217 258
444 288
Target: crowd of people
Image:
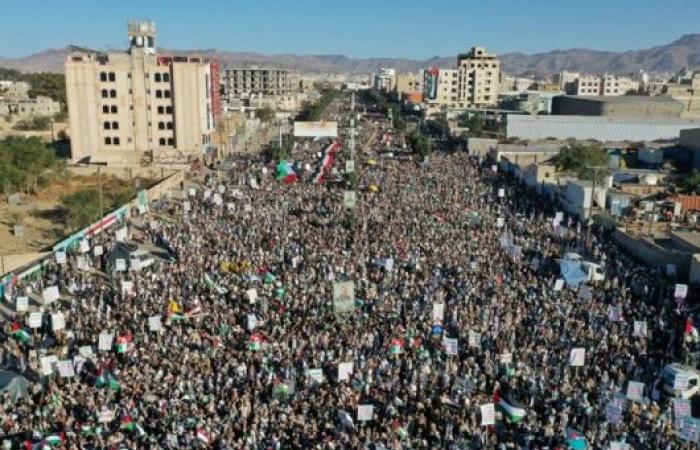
232 341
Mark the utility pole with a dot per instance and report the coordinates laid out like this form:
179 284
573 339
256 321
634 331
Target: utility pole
590 208
99 190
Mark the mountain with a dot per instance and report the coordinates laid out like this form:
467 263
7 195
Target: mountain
684 52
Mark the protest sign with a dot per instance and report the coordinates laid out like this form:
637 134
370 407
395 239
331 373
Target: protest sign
506 358
105 416
34 320
65 368
252 295
349 199
155 323
500 222
681 409
690 429
640 328
218 200
252 321
450 345
127 286
613 413
51 294
58 322
84 246
85 351
22 304
614 313
120 235
120 265
558 285
365 413
98 250
474 339
186 206
81 262
349 166
635 391
47 364
577 357
343 297
316 375
344 370
61 257
501 193
104 343
616 445
438 314
680 292
488 414
680 381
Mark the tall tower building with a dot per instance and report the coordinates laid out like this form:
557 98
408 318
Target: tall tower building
139 106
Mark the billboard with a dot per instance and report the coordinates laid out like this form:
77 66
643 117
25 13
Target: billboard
316 129
431 83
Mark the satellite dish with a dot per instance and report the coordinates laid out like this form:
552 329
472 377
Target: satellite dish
139 41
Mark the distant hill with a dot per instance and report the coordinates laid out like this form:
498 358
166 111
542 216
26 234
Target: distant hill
684 52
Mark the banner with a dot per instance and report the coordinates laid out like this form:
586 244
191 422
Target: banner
349 199
344 297
316 129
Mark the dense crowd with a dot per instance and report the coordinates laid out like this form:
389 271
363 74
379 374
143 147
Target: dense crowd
250 353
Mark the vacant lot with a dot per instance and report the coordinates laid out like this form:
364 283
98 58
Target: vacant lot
42 217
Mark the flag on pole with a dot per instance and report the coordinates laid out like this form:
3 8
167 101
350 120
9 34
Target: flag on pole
284 172
396 346
255 342
123 343
576 440
326 162
346 419
513 409
269 278
691 333
127 424
399 429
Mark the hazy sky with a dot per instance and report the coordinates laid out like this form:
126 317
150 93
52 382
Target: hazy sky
361 28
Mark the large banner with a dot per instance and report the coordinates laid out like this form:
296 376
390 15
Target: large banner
431 83
344 297
316 129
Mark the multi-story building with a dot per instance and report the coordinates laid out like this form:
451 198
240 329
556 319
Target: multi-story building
14 90
440 89
29 107
566 80
687 91
140 106
607 85
245 83
478 81
409 84
385 79
587 85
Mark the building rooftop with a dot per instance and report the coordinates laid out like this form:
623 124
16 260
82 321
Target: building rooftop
623 99
690 237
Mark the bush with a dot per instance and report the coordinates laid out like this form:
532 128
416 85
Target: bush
81 208
24 160
35 123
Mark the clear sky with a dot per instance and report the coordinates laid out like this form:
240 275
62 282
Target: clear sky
360 28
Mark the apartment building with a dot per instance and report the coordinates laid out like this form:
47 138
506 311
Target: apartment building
478 81
139 106
245 83
440 89
409 84
607 85
687 91
385 79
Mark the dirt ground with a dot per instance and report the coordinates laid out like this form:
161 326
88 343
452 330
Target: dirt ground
41 214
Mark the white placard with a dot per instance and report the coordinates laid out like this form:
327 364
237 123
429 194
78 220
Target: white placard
494 168
640 328
506 358
438 313
345 370
222 189
127 287
120 265
154 324
34 320
47 364
22 304
474 339
84 246
65 368
251 321
680 291
316 375
186 206
558 217
98 250
451 346
577 357
488 414
58 322
81 262
365 413
61 257
501 193
192 192
50 294
207 194
104 343
252 295
680 382
120 235
558 285
85 351
105 416
500 222
349 166
135 264
248 208
218 200
635 391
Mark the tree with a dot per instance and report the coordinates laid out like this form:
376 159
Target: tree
474 124
24 160
34 123
420 145
690 184
585 160
265 114
81 208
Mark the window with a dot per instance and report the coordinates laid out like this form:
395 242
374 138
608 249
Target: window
169 125
161 125
106 126
114 109
105 109
108 141
166 93
161 110
105 93
168 109
113 93
161 141
103 76
159 93
116 141
171 141
157 77
166 77
115 125
112 76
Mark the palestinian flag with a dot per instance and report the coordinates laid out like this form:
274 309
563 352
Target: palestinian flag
194 311
576 440
212 285
396 346
269 278
255 342
326 162
127 424
399 429
123 343
20 333
284 172
203 436
54 440
113 383
515 411
216 342
279 292
690 333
